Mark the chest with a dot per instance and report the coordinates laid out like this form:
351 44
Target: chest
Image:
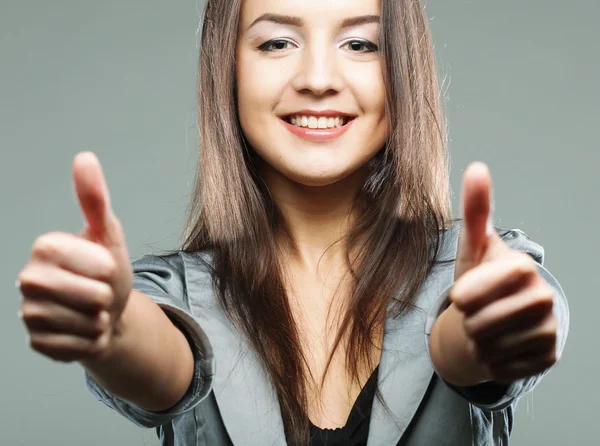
319 305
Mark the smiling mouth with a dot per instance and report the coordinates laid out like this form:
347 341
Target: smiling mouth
317 122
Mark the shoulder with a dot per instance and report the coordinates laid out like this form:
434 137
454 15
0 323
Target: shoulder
515 238
520 241
176 274
178 263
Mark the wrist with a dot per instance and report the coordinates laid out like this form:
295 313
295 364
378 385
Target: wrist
452 358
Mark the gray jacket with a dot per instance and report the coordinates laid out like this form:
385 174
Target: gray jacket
231 401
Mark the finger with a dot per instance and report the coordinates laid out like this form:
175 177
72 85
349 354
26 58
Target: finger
47 316
519 311
541 338
94 200
491 281
75 254
103 226
477 209
528 364
64 347
40 281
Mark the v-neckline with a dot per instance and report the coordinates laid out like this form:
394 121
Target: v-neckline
361 408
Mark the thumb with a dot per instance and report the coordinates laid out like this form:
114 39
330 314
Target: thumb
92 193
477 207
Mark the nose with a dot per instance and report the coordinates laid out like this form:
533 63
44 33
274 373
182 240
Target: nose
318 71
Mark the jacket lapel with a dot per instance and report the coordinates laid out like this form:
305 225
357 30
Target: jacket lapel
405 369
246 399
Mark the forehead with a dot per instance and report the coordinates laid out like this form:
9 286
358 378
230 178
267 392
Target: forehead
312 12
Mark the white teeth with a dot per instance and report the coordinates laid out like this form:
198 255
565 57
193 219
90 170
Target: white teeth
318 122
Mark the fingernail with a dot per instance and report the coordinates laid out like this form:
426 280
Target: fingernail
17 283
20 314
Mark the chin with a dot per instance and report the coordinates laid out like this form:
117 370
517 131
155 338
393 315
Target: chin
319 178
316 181
320 168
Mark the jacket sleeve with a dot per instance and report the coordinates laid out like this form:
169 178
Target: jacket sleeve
163 280
489 396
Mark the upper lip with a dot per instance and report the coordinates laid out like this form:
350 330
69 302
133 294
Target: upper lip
326 113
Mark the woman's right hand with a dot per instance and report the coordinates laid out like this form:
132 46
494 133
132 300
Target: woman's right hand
75 286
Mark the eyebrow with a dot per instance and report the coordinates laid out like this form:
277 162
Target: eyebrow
297 21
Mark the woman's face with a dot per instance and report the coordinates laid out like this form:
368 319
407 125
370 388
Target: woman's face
311 96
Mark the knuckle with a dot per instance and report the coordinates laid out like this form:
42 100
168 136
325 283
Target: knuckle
98 330
37 344
27 278
100 345
99 327
545 294
523 264
47 246
32 313
23 279
21 276
456 294
550 328
108 269
104 297
538 299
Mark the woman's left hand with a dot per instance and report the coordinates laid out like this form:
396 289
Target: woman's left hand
506 304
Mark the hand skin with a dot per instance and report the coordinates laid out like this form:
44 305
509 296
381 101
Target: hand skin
448 347
499 326
508 336
78 305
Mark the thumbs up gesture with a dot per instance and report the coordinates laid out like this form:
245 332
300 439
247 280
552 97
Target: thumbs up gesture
75 286
505 304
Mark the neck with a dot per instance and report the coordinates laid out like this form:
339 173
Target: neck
317 218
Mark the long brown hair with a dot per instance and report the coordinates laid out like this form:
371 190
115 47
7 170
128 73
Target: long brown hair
403 206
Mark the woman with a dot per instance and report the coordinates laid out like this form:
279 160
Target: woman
322 294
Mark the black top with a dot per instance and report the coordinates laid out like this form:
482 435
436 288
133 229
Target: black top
356 430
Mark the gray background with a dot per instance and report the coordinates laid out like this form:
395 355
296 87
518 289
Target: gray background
118 78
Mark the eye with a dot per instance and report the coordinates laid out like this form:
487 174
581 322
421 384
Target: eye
276 45
361 46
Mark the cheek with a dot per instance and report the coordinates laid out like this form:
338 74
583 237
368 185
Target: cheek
368 88
256 93
250 94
